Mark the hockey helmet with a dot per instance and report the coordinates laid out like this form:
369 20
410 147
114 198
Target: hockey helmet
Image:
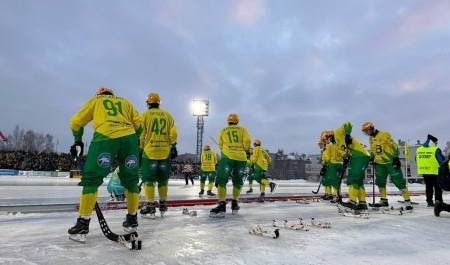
367 127
104 91
233 119
153 98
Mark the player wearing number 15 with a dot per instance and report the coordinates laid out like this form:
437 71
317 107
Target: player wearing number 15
234 143
117 126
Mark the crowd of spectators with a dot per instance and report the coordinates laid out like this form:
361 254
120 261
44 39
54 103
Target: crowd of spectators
43 161
36 161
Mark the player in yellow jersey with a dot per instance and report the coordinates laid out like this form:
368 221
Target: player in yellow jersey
356 157
260 161
117 126
208 161
332 167
384 155
234 143
250 173
158 142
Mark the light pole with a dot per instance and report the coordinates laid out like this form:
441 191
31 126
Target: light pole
200 108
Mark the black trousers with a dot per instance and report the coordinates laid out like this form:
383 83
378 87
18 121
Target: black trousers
432 185
189 176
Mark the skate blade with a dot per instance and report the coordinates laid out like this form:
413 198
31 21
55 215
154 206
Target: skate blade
148 216
217 215
130 229
78 238
162 214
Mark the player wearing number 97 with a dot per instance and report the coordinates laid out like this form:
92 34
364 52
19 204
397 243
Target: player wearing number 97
234 143
117 126
158 141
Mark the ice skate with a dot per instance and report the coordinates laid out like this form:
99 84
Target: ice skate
383 203
336 200
273 186
219 211
162 207
262 197
200 194
130 224
234 207
80 230
250 191
408 206
210 194
148 211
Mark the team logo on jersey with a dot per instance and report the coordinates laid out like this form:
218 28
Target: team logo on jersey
153 166
227 169
131 162
162 167
104 160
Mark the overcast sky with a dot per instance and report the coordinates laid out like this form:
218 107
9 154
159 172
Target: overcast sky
289 69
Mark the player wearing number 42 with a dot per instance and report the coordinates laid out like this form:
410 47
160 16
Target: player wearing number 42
158 142
117 126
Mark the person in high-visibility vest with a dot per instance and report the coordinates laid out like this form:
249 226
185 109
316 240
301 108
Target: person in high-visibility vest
428 158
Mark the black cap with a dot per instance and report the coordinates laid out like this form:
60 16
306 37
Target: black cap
432 138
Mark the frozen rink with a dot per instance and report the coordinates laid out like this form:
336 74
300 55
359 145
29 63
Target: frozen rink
41 238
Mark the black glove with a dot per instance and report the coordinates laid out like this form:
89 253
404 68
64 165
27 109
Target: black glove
372 161
345 161
248 154
432 138
323 170
348 139
396 162
77 149
173 152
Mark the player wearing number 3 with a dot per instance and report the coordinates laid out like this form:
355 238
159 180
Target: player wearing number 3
384 155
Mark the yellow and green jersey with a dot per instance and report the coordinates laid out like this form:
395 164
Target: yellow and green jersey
112 117
260 157
382 148
331 155
208 160
159 133
355 149
234 141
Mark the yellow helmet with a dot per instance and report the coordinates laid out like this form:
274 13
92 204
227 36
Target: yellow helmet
367 126
233 119
257 142
324 136
104 91
153 98
206 148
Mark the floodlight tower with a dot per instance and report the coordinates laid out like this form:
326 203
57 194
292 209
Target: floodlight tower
200 108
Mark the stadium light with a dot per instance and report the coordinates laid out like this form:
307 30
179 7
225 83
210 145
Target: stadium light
200 108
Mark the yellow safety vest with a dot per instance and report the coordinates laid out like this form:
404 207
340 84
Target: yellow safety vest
426 160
